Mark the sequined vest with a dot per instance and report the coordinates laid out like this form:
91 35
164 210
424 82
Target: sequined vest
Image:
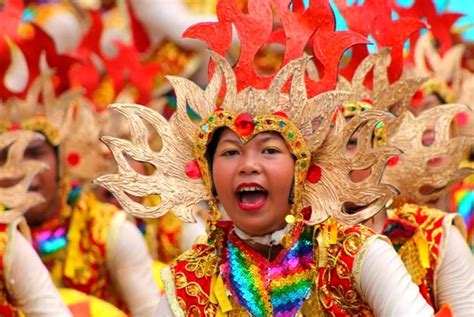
81 262
7 305
195 286
418 234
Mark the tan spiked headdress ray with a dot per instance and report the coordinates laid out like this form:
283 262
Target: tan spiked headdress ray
82 153
313 145
445 72
40 111
435 165
381 94
16 199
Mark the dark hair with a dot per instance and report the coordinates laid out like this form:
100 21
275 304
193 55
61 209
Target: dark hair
210 151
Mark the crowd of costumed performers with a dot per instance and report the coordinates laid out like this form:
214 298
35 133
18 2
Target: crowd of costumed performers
235 158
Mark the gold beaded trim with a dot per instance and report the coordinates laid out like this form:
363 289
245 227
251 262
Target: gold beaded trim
39 124
436 86
354 108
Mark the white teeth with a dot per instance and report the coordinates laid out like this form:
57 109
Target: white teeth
250 189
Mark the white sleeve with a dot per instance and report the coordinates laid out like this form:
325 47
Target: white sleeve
164 309
386 285
29 281
130 267
455 277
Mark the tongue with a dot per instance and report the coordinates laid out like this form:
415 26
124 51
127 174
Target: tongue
252 197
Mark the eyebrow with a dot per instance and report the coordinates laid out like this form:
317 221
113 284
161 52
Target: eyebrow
34 146
229 140
270 137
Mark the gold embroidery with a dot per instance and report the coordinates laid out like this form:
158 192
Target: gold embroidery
170 292
202 262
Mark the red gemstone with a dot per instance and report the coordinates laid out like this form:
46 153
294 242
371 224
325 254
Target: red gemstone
281 114
314 174
244 124
14 127
192 170
73 158
393 160
461 119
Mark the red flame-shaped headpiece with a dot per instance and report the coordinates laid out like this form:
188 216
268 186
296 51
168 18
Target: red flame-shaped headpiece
289 23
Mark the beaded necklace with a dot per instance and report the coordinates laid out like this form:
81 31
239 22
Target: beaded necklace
270 288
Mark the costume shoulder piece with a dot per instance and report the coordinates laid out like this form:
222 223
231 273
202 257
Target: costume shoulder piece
8 307
188 282
85 267
419 235
341 250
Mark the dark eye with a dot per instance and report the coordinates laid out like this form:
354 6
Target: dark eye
3 156
230 153
271 150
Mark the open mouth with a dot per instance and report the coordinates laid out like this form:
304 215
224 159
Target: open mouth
251 197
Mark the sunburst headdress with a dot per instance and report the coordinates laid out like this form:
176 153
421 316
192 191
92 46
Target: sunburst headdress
289 103
376 84
424 170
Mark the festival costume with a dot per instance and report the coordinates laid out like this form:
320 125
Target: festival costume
425 255
136 74
325 266
87 244
25 285
420 235
442 58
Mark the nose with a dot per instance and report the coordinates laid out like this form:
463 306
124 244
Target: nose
249 164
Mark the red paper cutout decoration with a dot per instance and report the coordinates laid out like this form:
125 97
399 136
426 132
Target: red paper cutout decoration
440 24
374 18
313 27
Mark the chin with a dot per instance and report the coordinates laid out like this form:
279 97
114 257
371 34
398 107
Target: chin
257 230
38 215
